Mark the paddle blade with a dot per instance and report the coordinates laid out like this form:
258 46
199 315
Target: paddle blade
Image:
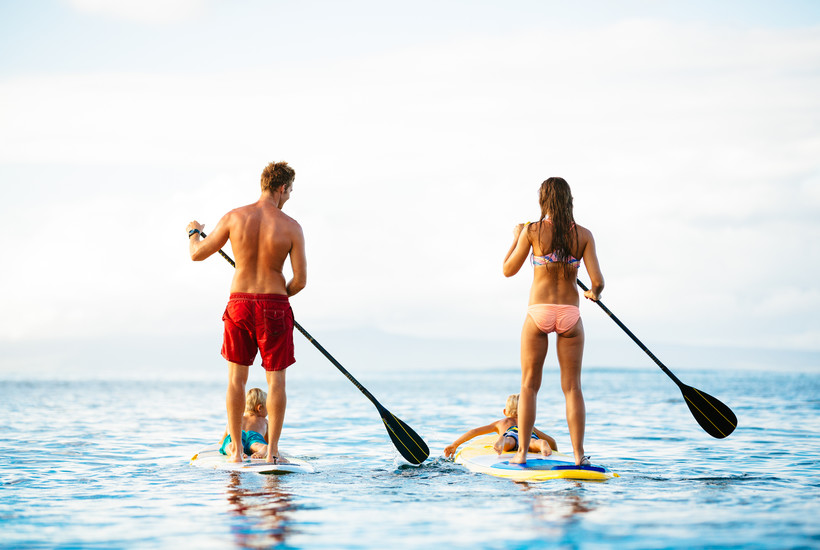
713 416
407 442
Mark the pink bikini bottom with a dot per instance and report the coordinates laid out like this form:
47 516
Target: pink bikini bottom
554 317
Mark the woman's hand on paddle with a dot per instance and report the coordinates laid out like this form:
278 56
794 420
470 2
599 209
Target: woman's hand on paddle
195 225
591 295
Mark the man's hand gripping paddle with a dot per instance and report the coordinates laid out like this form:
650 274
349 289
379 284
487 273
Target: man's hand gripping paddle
409 444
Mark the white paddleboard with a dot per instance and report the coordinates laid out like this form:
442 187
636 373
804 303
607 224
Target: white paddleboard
479 456
210 457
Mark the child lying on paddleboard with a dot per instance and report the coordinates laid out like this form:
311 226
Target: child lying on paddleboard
507 429
254 426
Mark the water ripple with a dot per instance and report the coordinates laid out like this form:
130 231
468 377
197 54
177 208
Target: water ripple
106 475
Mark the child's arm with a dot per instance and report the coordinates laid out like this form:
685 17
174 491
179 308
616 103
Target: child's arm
224 435
450 450
547 438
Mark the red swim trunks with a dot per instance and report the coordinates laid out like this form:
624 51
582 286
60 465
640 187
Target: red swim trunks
258 321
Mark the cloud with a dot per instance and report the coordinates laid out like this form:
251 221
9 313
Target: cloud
691 151
142 11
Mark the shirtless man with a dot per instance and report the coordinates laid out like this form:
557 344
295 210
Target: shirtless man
258 315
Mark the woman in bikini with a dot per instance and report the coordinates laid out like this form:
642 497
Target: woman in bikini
557 245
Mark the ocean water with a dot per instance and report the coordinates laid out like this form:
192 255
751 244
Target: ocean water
104 464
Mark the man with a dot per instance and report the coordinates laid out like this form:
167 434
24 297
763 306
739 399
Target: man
258 315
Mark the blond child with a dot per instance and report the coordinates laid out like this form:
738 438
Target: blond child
507 430
254 426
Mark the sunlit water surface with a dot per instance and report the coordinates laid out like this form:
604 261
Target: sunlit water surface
104 464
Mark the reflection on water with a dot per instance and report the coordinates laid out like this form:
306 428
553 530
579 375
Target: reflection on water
559 506
264 512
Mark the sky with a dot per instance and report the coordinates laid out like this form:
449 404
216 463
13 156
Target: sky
420 133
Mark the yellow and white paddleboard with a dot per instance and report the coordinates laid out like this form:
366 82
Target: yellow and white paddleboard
210 457
479 456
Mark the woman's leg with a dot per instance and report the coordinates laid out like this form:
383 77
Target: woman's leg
533 352
570 349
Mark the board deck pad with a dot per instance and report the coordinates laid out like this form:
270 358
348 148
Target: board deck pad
479 456
210 457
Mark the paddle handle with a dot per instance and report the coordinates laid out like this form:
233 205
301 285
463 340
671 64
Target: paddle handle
318 345
634 338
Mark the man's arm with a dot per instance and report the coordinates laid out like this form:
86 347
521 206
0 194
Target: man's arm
298 263
202 248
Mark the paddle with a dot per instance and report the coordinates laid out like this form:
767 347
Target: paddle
409 444
713 416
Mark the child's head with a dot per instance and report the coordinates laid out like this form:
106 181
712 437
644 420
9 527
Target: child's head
511 409
254 399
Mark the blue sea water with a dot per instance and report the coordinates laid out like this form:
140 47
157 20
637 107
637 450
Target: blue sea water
104 464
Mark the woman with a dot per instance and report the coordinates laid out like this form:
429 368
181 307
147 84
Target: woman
558 245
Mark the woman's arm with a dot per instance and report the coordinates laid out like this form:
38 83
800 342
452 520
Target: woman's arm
596 278
518 252
450 450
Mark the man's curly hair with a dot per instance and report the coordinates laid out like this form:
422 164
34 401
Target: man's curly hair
277 174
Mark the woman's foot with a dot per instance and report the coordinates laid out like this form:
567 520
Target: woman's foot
519 458
584 461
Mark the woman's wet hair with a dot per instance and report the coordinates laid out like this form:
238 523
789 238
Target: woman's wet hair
555 199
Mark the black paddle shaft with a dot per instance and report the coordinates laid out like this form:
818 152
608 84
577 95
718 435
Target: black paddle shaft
634 338
409 444
714 417
319 346
337 365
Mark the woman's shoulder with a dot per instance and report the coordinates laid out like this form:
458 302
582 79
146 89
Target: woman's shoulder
540 226
584 238
583 232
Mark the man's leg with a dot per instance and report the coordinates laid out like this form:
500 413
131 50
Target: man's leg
235 404
277 402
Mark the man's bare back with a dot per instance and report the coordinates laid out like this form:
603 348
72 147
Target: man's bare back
262 237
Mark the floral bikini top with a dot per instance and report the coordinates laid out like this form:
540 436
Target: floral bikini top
541 261
551 258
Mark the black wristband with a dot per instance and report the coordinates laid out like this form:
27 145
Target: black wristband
193 232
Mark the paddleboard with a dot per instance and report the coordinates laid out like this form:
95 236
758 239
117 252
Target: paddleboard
210 457
479 456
